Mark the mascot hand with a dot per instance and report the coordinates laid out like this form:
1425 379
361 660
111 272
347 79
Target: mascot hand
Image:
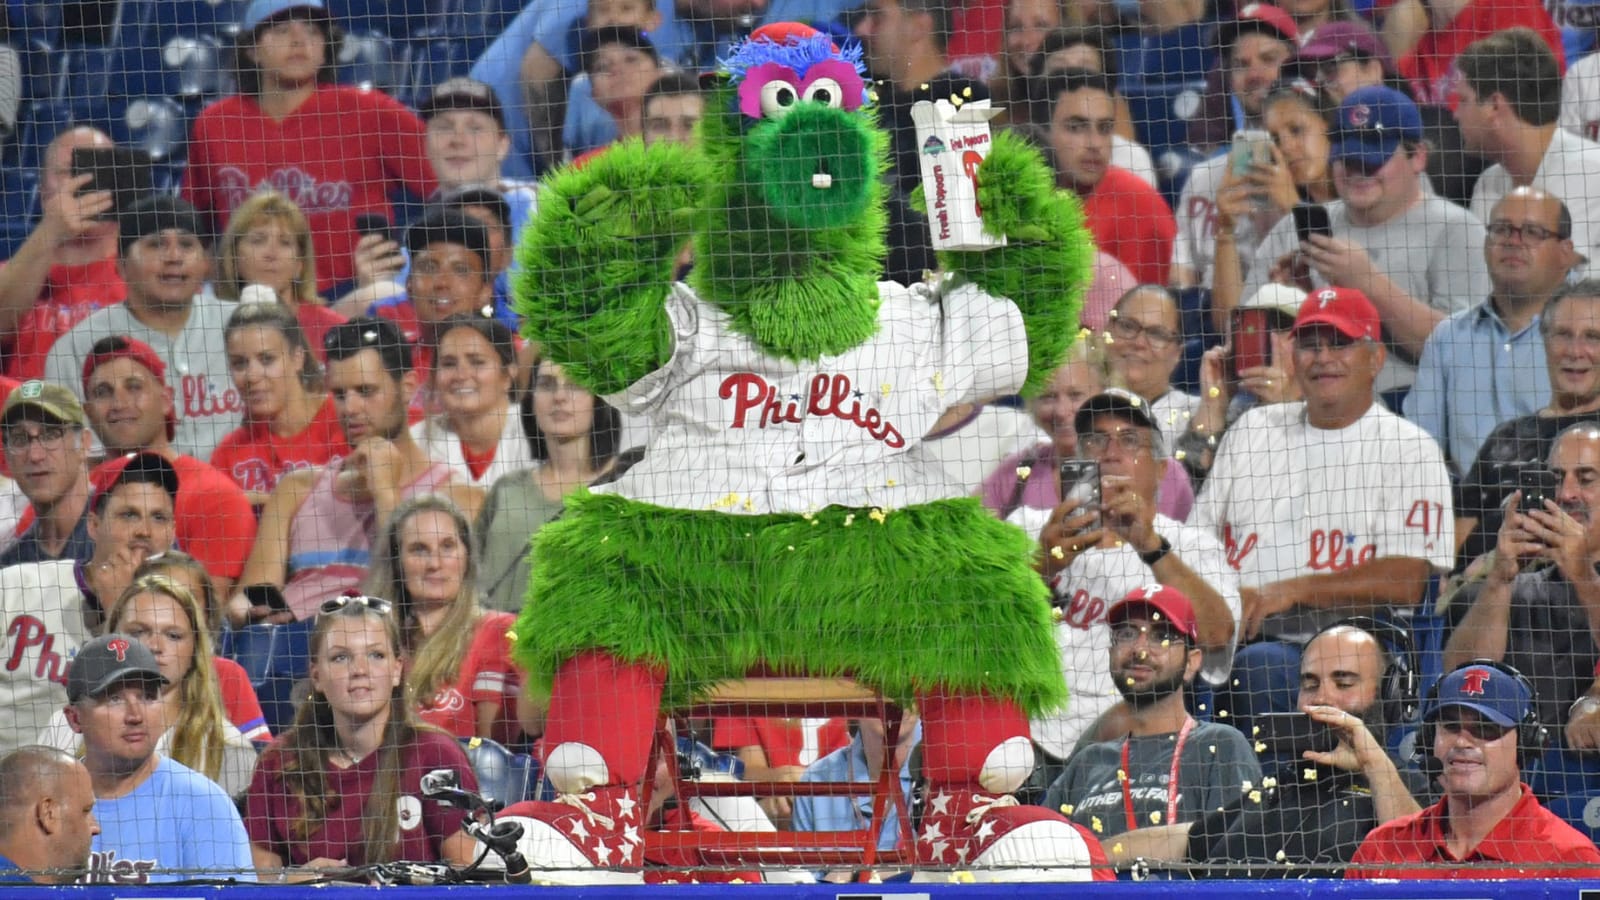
1013 184
623 217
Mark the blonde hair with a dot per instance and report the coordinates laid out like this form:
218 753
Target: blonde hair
198 735
265 207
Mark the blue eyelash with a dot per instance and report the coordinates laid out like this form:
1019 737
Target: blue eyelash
798 55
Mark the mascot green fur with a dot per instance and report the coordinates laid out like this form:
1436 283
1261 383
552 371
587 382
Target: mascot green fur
784 517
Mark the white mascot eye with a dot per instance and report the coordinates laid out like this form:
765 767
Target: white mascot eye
777 98
825 90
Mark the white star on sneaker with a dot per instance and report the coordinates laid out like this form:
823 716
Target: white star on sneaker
625 805
961 853
939 849
578 829
630 833
941 803
602 852
932 833
985 830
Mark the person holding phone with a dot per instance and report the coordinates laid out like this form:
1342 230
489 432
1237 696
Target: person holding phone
1543 619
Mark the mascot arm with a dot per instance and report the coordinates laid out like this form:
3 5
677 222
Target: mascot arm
1048 260
596 265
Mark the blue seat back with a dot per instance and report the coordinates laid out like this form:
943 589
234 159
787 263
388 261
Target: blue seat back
504 777
275 657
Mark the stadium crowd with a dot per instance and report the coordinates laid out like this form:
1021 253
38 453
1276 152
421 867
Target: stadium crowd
1317 494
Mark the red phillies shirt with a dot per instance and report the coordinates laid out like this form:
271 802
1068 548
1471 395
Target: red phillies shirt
315 322
786 742
70 294
254 458
1430 67
1131 222
1530 841
486 676
239 699
337 156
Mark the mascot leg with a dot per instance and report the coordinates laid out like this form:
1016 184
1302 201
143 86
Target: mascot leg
601 721
975 752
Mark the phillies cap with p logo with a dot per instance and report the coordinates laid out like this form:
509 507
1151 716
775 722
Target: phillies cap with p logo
107 660
1493 693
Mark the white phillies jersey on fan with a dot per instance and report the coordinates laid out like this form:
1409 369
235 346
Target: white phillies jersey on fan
737 430
1289 499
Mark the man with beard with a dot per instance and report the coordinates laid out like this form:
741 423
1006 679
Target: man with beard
1357 678
315 536
1538 609
1169 767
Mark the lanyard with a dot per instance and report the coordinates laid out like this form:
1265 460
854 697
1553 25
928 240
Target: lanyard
1172 777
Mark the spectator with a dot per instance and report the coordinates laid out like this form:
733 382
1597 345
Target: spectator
1580 98
54 607
1412 254
161 821
970 439
489 208
1486 365
1168 768
478 432
672 108
164 616
573 438
337 151
290 422
1357 679
130 408
339 788
1224 225
1127 217
46 447
67 268
1508 104
458 656
166 263
1091 557
1144 344
1013 484
1570 328
861 760
621 63
47 824
774 749
1082 48
1427 39
1253 51
268 243
317 528
1480 722
1535 610
1327 506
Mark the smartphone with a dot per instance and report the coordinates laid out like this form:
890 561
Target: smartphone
1537 485
123 172
1252 340
1311 218
1080 481
1251 147
1291 734
373 223
266 595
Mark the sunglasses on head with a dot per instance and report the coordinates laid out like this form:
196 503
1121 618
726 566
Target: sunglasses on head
344 601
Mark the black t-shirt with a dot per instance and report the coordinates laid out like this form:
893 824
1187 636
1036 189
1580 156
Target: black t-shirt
1513 446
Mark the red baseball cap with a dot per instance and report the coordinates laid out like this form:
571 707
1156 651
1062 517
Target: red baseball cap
124 347
147 467
1346 309
1159 600
1259 17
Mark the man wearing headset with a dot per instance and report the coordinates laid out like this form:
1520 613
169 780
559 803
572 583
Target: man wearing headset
1479 720
1357 679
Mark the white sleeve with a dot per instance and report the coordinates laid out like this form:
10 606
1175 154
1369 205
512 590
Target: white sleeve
984 347
1203 553
643 395
1280 241
1579 104
1418 519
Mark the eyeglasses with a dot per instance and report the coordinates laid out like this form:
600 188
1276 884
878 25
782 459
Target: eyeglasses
1128 633
1478 731
334 605
1532 234
1124 329
1128 440
50 437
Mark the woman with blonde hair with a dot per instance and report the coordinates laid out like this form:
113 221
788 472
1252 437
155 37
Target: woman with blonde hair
268 242
459 672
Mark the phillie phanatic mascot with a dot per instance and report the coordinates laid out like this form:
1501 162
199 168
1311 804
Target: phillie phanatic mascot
783 517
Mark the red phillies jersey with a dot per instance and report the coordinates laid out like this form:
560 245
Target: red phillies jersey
70 294
1430 65
254 458
1131 222
337 156
486 676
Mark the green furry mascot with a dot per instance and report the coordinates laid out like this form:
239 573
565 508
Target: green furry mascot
784 517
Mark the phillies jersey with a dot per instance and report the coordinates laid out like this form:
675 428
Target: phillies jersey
738 430
337 156
43 608
255 458
1289 499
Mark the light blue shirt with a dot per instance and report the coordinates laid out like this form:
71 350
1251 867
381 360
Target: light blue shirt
849 763
177 825
1473 375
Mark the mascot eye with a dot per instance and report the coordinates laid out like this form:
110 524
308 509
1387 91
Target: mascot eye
825 90
777 97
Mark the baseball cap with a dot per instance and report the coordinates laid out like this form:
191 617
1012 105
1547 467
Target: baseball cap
1258 17
159 213
627 35
55 401
132 468
260 11
1159 601
474 195
106 660
444 225
1113 400
1346 309
1281 297
461 92
1495 694
1371 123
124 347
1341 38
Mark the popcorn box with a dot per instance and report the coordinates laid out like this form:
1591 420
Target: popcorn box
953 138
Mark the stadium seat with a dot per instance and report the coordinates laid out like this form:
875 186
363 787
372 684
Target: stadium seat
394 17
504 777
186 65
19 198
369 60
1581 811
1161 112
38 124
83 74
1562 773
431 62
157 125
275 657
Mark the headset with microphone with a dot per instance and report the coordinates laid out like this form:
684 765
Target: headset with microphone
1532 735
